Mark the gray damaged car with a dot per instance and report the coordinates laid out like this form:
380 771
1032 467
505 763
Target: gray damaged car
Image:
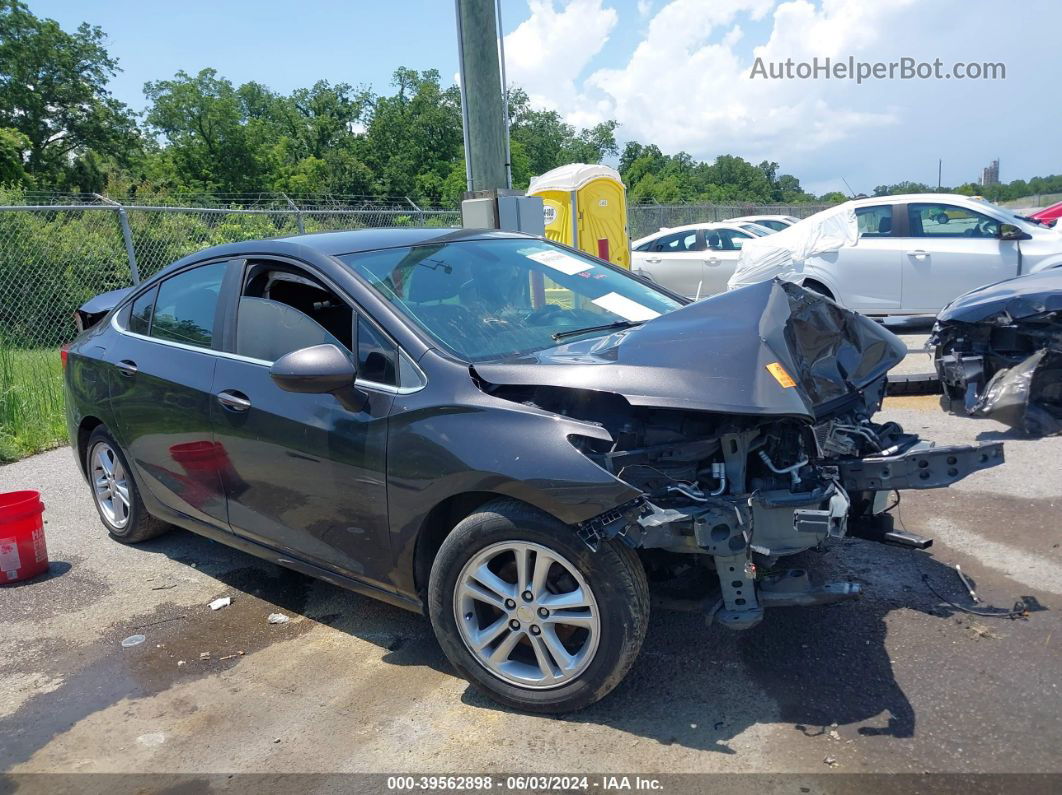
998 353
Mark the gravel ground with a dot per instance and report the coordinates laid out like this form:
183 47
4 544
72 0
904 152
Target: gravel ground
895 682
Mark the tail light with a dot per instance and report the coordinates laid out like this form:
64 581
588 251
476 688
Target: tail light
64 353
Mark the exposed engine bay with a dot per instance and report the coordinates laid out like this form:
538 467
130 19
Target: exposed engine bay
998 353
803 463
745 491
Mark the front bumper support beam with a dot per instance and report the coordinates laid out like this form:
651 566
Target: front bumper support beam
921 467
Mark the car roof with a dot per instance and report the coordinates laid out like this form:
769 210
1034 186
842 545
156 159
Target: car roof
333 244
665 230
354 240
915 197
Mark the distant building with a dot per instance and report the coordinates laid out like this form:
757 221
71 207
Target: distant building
990 174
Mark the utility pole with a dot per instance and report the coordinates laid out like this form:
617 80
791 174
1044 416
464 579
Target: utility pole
491 202
483 111
940 167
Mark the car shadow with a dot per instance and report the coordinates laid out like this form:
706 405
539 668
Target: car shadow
692 685
700 686
1002 436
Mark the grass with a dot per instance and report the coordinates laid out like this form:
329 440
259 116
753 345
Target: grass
32 415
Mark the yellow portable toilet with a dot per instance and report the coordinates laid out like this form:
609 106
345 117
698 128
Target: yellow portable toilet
585 207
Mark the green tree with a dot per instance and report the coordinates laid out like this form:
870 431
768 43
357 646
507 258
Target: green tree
547 141
414 137
53 90
13 146
203 121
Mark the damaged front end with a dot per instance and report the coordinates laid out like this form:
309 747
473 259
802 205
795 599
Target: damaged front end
745 422
998 353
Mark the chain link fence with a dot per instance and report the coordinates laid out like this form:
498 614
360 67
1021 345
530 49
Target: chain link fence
55 256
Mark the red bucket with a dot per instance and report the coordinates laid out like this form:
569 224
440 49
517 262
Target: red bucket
23 553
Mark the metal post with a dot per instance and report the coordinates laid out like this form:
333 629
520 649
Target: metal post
420 212
127 236
505 96
482 95
298 213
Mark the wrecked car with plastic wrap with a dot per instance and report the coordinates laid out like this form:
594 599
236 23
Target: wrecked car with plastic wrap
504 433
998 353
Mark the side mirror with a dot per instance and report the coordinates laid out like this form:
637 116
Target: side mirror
320 369
1012 232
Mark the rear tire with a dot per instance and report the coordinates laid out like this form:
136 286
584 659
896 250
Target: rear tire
114 491
516 619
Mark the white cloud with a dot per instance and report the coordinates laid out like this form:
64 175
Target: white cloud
548 51
685 84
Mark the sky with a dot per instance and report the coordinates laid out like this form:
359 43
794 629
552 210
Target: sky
676 73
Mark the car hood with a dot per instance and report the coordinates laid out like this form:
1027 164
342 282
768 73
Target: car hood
718 355
1021 297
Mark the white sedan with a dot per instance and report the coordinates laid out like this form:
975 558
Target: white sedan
908 254
694 260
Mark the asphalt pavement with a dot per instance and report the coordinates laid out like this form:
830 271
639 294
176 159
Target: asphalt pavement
899 681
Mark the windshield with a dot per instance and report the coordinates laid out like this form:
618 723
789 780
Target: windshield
1008 216
491 299
755 228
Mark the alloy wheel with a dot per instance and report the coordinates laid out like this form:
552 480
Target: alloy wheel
110 485
527 615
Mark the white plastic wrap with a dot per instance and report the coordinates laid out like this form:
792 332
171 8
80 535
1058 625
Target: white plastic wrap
783 254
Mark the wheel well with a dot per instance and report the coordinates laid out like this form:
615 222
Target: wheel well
84 431
817 287
440 520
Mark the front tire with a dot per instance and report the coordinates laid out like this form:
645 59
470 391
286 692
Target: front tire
530 615
114 492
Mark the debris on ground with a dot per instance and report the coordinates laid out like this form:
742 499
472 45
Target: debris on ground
224 601
204 655
278 618
831 761
132 640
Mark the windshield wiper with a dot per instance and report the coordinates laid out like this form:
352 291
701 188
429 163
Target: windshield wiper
559 335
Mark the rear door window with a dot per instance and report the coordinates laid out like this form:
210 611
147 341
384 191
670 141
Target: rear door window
874 221
184 309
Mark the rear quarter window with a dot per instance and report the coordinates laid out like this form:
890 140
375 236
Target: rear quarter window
141 311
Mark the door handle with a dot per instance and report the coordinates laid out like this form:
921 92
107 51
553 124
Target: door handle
918 253
652 259
712 261
127 368
233 400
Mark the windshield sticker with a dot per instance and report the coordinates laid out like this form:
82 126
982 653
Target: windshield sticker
559 261
625 307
